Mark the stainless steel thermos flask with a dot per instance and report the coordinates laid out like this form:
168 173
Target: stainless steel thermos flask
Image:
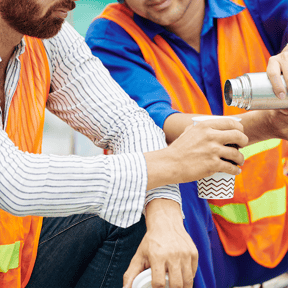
253 91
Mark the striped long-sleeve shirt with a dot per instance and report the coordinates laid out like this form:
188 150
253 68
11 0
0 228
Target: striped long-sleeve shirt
85 96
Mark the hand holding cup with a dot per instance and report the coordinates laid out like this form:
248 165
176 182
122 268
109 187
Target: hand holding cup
219 185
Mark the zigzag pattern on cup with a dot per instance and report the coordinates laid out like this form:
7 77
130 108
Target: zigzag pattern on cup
210 195
215 189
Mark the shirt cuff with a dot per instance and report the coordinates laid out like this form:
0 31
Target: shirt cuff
126 191
170 192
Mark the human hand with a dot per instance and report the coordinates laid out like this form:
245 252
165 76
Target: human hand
201 149
278 64
278 118
198 152
166 247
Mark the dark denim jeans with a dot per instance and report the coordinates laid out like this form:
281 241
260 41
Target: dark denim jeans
84 251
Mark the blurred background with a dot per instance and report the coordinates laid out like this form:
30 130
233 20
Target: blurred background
58 137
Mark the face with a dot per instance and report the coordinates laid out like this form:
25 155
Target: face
163 12
36 18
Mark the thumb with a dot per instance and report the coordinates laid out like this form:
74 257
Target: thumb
137 265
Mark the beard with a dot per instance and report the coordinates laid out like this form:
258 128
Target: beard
21 15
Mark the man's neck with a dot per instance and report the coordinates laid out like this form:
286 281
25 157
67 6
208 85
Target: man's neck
9 39
189 27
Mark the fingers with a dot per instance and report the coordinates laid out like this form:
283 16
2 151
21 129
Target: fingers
274 74
189 269
171 249
222 124
224 137
158 274
194 263
225 159
230 158
204 145
181 267
175 275
229 168
137 265
278 64
180 276
231 137
226 131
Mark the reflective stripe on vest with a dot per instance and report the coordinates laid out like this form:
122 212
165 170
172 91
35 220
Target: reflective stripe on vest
234 213
271 203
259 147
9 256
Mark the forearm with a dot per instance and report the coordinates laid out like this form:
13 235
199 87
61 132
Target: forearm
161 168
257 126
163 210
58 186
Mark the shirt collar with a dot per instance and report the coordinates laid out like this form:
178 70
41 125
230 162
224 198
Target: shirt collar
213 9
218 9
20 48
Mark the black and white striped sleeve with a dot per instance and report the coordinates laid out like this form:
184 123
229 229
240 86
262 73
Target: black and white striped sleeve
84 95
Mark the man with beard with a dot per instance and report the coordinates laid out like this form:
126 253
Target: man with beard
108 193
174 56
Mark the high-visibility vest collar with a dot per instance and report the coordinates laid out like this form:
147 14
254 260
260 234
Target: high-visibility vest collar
19 236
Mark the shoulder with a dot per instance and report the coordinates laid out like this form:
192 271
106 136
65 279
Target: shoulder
268 7
67 35
104 29
68 45
66 40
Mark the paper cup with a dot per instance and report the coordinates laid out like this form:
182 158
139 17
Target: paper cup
217 186
220 185
144 279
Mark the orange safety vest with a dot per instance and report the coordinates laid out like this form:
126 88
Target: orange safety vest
255 219
19 236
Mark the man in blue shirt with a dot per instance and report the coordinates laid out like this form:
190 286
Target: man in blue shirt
190 28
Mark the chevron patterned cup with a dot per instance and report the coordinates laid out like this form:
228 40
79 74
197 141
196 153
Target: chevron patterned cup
218 186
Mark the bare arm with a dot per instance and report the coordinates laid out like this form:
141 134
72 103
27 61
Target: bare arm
258 125
267 124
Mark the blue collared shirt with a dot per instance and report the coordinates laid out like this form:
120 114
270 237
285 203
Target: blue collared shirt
122 56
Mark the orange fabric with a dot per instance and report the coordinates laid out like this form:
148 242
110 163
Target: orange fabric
25 128
239 42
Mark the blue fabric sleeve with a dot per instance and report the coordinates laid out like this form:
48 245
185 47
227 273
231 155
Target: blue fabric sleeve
123 58
271 18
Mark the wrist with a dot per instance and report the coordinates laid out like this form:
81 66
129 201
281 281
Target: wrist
163 210
276 123
161 168
258 125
